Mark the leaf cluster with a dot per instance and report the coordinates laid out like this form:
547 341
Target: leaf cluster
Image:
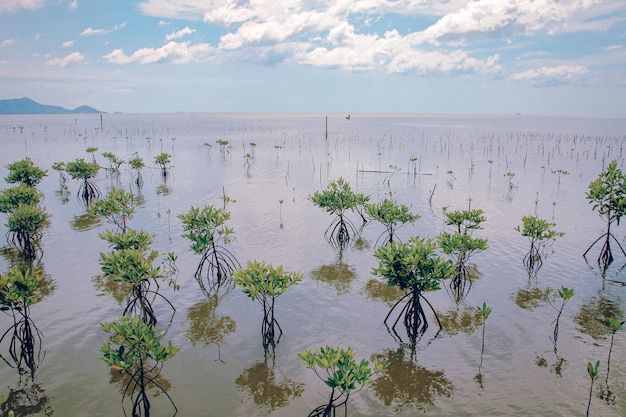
132 340
132 239
607 193
133 266
413 265
136 163
204 226
338 197
339 368
260 280
117 207
20 288
25 172
11 198
163 159
114 161
465 220
484 311
390 213
27 218
81 169
538 229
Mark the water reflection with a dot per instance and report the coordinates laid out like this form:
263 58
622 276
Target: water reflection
143 386
85 221
461 282
379 291
530 298
590 317
267 388
462 318
406 384
27 398
206 326
338 275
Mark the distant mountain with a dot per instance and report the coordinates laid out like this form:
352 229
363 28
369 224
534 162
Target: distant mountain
28 106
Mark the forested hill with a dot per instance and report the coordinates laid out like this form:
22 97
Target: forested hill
28 106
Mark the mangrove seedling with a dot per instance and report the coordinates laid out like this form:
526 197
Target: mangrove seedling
461 245
206 228
60 168
21 288
135 268
21 194
540 233
391 215
92 150
336 199
132 239
263 282
564 294
593 371
414 267
340 371
484 312
136 164
135 348
607 193
84 171
117 207
613 325
163 161
114 163
25 172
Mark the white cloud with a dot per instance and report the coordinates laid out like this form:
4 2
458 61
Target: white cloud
174 52
180 34
551 76
73 5
7 42
68 61
95 32
10 6
68 44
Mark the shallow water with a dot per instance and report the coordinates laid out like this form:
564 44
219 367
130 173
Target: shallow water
222 368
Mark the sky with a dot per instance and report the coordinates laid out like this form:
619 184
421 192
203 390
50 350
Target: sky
546 57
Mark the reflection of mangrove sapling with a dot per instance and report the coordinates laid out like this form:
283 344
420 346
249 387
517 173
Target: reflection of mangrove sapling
461 245
135 348
391 214
163 160
114 163
85 171
415 268
265 283
564 294
614 326
25 172
205 228
336 199
341 372
593 372
117 207
608 195
484 312
135 267
19 290
136 164
540 234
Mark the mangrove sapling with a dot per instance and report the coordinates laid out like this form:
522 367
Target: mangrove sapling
564 294
484 312
206 228
20 289
132 239
92 150
84 171
25 172
461 245
136 164
135 268
13 197
614 326
114 163
342 374
25 228
608 195
540 233
135 348
414 267
392 215
265 283
117 207
336 199
593 371
163 160
60 168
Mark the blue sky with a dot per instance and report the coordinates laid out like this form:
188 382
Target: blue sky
551 57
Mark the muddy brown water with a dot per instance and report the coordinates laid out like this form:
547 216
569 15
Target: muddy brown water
222 368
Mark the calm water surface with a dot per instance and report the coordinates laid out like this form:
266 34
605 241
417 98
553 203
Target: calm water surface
428 162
